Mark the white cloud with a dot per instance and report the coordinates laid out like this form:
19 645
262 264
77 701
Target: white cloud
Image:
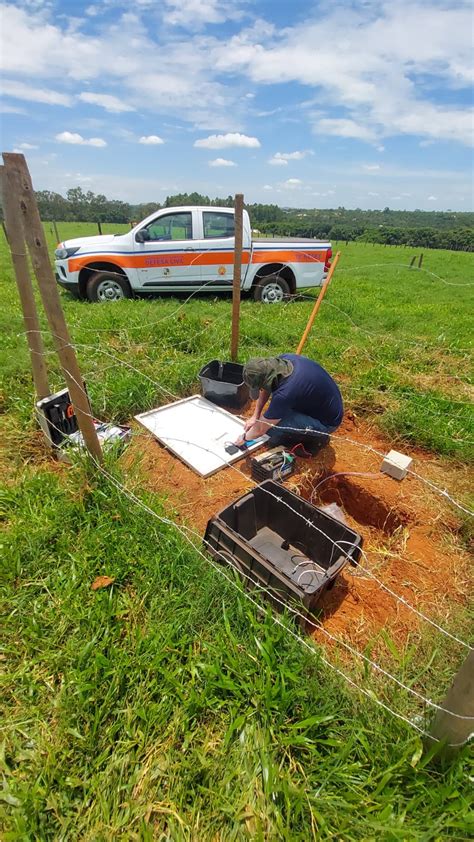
11 109
372 194
28 146
380 148
371 78
222 162
123 51
21 90
432 199
371 167
280 159
107 101
78 140
267 187
344 128
151 140
194 14
224 141
292 183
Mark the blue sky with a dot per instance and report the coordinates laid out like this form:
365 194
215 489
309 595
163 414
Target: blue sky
362 104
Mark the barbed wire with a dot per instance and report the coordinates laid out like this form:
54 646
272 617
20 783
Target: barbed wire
354 442
182 530
366 570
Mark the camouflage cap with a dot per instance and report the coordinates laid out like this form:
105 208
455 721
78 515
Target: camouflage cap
260 372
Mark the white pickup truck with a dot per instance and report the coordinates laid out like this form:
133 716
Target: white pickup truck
186 249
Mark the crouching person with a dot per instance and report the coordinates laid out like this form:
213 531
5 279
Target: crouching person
305 402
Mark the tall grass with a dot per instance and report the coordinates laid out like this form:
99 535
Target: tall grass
166 706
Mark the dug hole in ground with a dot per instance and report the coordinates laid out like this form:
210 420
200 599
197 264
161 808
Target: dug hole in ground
412 535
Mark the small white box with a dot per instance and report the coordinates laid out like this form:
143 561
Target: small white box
396 464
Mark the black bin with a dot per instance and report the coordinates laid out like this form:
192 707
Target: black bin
223 384
284 544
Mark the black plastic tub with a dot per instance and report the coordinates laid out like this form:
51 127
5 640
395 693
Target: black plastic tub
223 384
288 547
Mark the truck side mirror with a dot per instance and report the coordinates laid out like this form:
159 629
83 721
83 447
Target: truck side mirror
142 236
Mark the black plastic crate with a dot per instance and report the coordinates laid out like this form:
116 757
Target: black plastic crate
223 384
287 546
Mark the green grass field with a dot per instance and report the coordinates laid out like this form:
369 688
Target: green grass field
167 706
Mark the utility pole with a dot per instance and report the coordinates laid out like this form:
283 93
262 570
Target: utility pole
15 239
19 177
238 227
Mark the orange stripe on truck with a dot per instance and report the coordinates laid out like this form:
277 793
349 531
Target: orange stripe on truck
288 256
194 258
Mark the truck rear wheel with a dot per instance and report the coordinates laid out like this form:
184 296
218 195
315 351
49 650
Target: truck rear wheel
271 290
108 286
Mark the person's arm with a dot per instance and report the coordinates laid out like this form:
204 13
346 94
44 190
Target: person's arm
259 428
261 401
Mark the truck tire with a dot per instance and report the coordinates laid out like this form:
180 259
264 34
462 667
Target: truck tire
108 286
271 290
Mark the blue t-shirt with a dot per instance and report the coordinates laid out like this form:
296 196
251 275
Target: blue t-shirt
309 389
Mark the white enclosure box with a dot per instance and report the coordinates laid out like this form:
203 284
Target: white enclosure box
396 464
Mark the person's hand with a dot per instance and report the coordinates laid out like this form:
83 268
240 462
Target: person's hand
240 441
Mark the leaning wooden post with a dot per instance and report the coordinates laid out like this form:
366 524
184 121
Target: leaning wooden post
238 222
56 232
15 165
452 731
318 304
14 234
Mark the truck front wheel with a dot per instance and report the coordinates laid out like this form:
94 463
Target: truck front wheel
108 286
271 290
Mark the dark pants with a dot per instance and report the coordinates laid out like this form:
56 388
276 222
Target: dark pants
297 427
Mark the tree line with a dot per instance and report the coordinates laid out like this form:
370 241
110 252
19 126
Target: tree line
429 229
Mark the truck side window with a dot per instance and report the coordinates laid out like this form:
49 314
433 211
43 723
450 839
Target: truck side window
217 225
173 226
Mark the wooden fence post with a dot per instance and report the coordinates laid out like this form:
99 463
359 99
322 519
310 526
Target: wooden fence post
56 232
451 730
238 222
99 227
318 304
420 261
15 165
14 234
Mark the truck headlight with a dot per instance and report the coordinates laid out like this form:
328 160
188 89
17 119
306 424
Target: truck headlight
63 253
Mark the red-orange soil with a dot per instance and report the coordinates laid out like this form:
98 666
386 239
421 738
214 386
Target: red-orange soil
411 540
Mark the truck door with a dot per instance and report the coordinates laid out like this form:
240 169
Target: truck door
217 249
167 259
